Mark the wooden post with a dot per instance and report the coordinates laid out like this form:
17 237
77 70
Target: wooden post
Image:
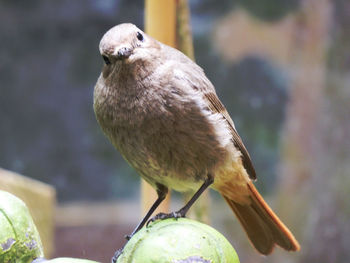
160 23
160 20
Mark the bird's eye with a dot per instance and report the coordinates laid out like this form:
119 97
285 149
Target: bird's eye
139 36
106 59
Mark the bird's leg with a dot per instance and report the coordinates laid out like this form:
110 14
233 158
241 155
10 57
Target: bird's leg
182 212
161 191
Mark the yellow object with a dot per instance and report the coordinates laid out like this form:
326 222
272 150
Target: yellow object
160 20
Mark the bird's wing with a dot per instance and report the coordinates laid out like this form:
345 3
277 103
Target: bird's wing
216 106
196 76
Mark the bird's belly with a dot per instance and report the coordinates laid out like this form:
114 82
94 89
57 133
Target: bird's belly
178 158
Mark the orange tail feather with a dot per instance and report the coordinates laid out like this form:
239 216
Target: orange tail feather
263 227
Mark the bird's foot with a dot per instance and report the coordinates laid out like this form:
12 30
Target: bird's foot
117 255
162 216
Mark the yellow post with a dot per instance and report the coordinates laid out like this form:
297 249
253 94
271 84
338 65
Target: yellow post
160 23
160 20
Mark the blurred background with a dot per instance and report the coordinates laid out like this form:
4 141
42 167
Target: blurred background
281 68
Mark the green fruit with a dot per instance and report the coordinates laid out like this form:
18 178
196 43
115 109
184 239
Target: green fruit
178 241
19 239
69 260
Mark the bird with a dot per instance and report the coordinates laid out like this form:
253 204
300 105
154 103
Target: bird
161 112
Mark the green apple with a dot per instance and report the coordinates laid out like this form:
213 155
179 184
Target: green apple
178 241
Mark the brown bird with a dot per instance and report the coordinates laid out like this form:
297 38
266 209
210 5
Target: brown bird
161 112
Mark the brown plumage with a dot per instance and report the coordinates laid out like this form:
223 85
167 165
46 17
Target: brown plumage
263 227
162 113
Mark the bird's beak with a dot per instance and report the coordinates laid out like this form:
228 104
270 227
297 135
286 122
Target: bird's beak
123 52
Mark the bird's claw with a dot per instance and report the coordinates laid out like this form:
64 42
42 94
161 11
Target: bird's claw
117 255
162 216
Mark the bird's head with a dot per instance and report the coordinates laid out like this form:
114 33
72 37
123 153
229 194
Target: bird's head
125 43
